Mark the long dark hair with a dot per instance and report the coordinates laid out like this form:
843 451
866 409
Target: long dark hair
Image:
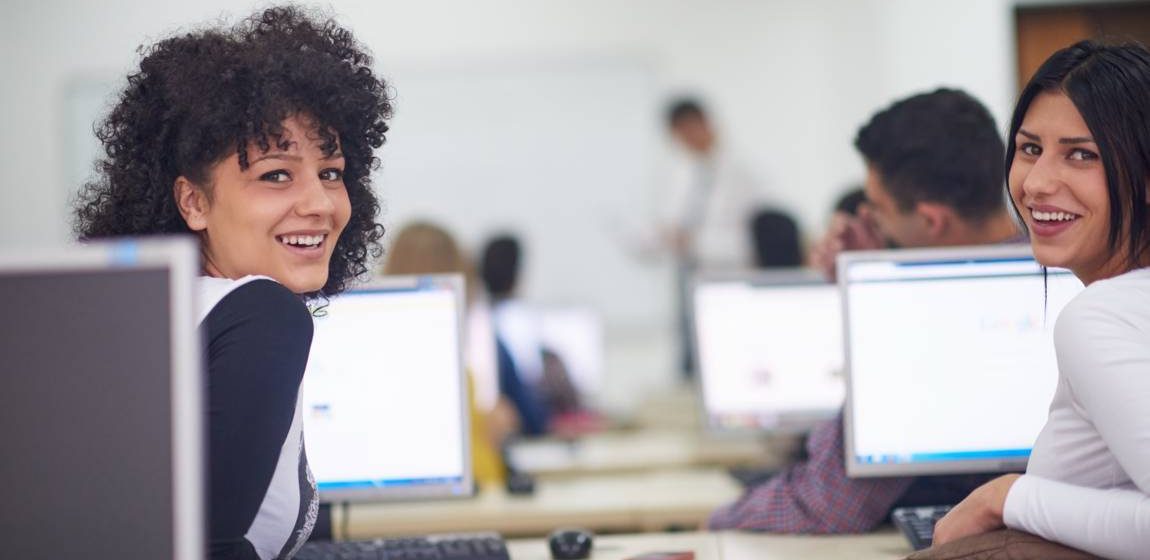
1110 87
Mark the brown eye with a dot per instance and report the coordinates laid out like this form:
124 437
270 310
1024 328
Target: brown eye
1030 149
277 176
332 174
1079 154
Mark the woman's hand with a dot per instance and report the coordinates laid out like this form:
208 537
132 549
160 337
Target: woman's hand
979 513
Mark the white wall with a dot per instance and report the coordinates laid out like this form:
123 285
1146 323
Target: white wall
790 80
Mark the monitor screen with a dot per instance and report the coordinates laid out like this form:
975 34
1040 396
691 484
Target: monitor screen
384 401
951 362
770 350
575 334
100 403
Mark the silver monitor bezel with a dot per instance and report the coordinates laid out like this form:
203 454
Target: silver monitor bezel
856 469
181 257
465 487
793 423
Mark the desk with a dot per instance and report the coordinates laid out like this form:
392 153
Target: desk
619 452
885 545
706 546
630 502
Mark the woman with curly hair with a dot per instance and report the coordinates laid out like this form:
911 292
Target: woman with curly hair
259 140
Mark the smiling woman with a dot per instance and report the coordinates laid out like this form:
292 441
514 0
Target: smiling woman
1058 183
259 140
1078 168
281 216
208 105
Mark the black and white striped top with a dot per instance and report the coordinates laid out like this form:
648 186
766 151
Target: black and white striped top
262 498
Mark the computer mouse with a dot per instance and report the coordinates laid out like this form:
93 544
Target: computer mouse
570 544
520 484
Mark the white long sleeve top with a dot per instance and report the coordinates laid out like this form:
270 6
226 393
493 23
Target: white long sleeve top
1087 484
714 199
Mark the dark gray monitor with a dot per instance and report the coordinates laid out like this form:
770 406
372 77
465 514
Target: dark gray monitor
100 415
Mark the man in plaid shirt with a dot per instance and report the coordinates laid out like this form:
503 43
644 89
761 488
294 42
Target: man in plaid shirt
934 178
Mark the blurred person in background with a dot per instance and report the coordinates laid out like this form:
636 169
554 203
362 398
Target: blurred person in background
704 210
534 376
934 178
425 248
848 228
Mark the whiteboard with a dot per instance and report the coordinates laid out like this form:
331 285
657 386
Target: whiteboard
552 150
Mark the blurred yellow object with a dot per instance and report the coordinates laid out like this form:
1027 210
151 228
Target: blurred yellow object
486 463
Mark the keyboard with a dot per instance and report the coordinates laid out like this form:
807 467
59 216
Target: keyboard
917 523
470 546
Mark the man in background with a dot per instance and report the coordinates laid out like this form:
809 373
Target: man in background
703 212
934 178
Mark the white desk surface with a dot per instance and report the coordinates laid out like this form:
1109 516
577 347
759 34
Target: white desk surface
631 502
617 452
885 545
706 546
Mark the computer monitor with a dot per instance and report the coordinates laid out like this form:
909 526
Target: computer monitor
950 358
769 346
384 400
101 402
575 334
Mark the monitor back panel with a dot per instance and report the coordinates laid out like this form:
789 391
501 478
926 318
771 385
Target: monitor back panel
86 414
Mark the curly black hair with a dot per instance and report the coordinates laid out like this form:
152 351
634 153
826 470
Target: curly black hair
201 96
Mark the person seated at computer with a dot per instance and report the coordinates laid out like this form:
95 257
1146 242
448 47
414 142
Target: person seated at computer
1078 169
934 178
776 239
426 248
847 219
259 140
517 334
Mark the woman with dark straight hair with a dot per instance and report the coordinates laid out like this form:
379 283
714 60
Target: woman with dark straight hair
1078 169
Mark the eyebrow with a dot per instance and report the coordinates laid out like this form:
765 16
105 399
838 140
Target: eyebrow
280 155
1071 140
277 156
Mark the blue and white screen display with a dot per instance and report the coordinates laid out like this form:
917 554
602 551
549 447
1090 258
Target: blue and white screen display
768 353
382 396
951 361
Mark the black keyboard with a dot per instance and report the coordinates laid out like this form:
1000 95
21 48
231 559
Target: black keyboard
917 523
470 546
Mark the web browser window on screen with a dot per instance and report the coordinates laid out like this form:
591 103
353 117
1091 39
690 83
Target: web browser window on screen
382 394
768 351
952 360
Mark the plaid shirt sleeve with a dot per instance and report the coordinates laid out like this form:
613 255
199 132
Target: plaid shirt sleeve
815 496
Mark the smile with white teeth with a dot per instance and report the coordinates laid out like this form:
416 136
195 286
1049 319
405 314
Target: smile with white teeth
1052 216
302 240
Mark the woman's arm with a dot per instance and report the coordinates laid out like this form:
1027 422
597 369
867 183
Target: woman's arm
1111 523
258 336
1104 353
